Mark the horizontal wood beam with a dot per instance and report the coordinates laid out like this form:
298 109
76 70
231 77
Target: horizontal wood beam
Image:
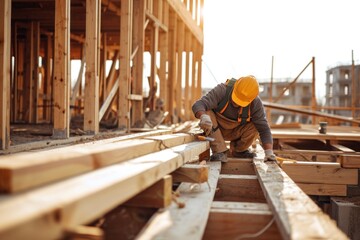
82 199
239 188
191 173
234 220
159 195
320 172
238 166
350 160
323 189
18 173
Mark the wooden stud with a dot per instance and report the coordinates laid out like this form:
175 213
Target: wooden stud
172 76
48 90
159 195
91 99
62 69
35 85
191 173
125 75
187 99
179 86
29 74
138 40
5 40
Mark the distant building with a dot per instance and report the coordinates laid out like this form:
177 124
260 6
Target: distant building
339 89
298 95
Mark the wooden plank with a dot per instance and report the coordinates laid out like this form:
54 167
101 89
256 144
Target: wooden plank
310 155
350 160
239 188
172 77
233 220
91 98
339 147
294 211
238 166
24 171
180 43
62 69
105 106
84 232
320 172
159 195
84 198
296 134
323 189
191 173
5 43
190 220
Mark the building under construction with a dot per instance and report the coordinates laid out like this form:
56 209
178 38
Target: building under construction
97 157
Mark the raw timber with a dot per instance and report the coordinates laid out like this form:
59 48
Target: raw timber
77 163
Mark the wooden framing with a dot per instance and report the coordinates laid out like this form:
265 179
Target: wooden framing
91 101
5 39
61 69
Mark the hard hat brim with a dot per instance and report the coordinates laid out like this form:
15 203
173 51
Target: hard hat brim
239 102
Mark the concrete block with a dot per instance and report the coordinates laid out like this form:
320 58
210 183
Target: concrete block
346 212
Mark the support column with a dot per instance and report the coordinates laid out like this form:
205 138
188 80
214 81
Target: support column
179 85
5 40
138 62
125 75
172 63
62 69
187 99
91 99
164 49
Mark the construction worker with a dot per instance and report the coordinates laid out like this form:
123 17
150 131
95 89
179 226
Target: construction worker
234 112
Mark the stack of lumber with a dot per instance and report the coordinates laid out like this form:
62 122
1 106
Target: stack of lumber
51 192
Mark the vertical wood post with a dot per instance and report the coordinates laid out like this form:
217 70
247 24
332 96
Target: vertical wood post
164 57
313 99
187 73
172 63
62 69
138 62
179 87
91 99
5 40
125 52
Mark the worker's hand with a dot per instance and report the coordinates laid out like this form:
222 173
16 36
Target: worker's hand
206 124
269 155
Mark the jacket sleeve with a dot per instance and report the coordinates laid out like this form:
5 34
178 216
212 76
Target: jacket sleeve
258 117
211 99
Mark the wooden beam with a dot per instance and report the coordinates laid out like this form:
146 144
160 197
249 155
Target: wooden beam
350 160
138 40
190 220
159 195
186 17
320 172
310 155
71 203
110 97
77 85
91 97
239 188
5 46
191 173
172 76
234 220
238 166
125 75
62 69
294 211
18 173
180 44
84 232
323 189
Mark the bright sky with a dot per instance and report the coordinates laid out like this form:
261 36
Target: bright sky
240 38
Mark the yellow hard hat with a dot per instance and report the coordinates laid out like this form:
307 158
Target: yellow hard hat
245 90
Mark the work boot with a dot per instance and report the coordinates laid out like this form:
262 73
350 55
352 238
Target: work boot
244 154
221 156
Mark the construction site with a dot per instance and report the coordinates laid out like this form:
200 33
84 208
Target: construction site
100 158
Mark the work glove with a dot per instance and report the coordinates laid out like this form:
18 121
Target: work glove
269 155
206 124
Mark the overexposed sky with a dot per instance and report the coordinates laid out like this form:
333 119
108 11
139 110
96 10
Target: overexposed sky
241 36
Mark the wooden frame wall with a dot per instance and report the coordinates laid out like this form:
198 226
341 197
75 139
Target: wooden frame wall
168 29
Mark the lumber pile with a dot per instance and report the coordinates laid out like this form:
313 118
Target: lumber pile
61 190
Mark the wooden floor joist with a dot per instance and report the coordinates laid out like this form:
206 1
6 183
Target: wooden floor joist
189 221
88 196
296 215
